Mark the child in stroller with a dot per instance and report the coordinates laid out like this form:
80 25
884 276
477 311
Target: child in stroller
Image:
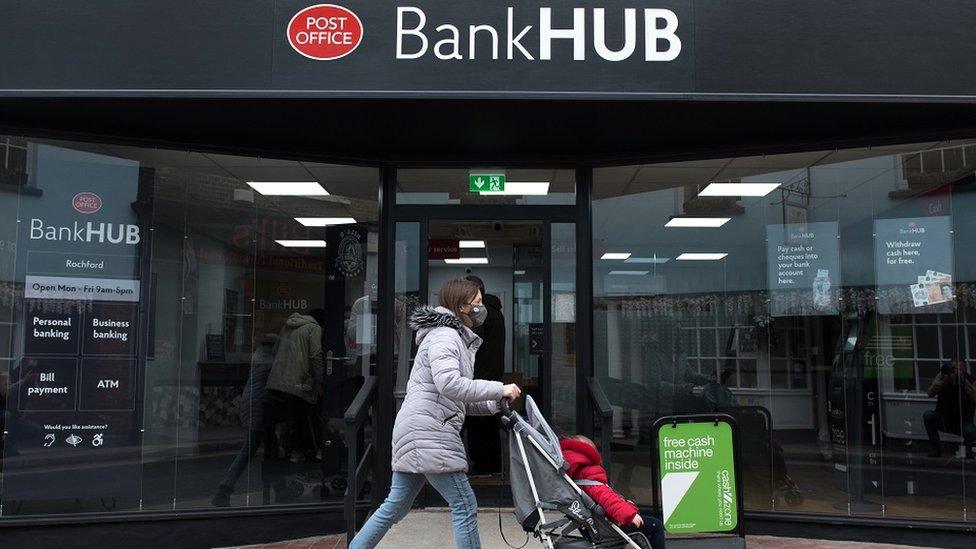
586 470
541 488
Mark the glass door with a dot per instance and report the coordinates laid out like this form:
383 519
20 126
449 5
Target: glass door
527 278
519 241
506 259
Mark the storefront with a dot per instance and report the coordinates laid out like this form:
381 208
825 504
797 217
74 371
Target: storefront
760 206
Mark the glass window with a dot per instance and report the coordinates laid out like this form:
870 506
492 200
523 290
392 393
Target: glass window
563 325
178 329
827 298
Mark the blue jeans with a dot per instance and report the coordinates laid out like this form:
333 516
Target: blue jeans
247 452
453 487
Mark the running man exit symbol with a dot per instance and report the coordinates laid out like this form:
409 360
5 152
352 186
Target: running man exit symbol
486 182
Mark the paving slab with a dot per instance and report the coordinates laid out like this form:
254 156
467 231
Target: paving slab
431 529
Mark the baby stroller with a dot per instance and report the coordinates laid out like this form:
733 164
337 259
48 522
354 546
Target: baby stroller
541 490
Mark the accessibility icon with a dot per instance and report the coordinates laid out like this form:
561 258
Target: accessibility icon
73 440
98 440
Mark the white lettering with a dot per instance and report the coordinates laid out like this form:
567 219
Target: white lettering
416 31
652 34
113 233
37 229
454 42
516 41
92 232
577 34
661 41
600 36
473 31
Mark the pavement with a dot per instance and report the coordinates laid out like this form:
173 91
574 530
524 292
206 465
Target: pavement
431 528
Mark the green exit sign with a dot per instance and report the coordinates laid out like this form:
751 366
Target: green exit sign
486 182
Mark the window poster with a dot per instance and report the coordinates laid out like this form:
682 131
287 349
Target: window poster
75 429
803 268
913 265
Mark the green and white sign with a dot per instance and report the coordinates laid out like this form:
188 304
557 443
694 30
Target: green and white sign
698 486
486 182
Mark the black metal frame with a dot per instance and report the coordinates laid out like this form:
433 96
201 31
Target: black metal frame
359 463
578 213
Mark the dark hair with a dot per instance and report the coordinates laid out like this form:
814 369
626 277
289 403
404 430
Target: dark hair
318 315
478 281
456 293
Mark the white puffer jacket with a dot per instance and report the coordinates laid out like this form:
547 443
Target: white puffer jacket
441 391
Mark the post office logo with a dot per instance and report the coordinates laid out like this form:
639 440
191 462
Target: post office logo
325 32
86 202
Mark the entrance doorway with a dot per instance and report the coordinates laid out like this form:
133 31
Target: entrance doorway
506 258
527 267
521 241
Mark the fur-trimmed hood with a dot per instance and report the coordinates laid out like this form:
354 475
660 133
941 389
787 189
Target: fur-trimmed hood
427 316
426 319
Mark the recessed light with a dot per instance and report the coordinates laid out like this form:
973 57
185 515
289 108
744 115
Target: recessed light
615 255
288 188
629 273
301 243
519 273
705 222
688 256
324 221
467 261
521 188
471 244
655 259
738 189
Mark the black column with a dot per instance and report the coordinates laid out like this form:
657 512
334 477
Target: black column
584 298
384 401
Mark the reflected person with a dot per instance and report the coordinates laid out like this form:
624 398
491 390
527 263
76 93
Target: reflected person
252 417
955 392
294 383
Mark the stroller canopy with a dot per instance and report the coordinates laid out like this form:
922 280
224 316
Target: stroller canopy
538 428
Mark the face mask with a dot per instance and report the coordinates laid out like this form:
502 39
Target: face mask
477 314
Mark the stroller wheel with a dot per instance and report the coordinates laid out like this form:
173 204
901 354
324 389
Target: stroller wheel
793 498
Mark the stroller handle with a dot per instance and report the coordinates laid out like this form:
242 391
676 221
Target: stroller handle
506 413
504 407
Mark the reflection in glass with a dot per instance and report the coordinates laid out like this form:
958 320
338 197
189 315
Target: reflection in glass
844 295
203 363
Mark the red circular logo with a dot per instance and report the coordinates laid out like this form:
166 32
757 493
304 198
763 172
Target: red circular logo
86 203
325 32
284 290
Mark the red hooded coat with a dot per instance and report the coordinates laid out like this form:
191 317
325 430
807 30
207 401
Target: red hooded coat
584 462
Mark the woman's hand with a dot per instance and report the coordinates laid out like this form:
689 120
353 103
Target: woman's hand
637 521
512 392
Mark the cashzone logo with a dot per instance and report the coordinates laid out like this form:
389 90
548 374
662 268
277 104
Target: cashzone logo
328 32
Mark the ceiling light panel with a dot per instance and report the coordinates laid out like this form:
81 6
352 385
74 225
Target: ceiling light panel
288 188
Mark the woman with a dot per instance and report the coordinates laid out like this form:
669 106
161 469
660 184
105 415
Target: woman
427 443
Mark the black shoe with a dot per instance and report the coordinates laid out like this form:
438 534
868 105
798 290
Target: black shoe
222 497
